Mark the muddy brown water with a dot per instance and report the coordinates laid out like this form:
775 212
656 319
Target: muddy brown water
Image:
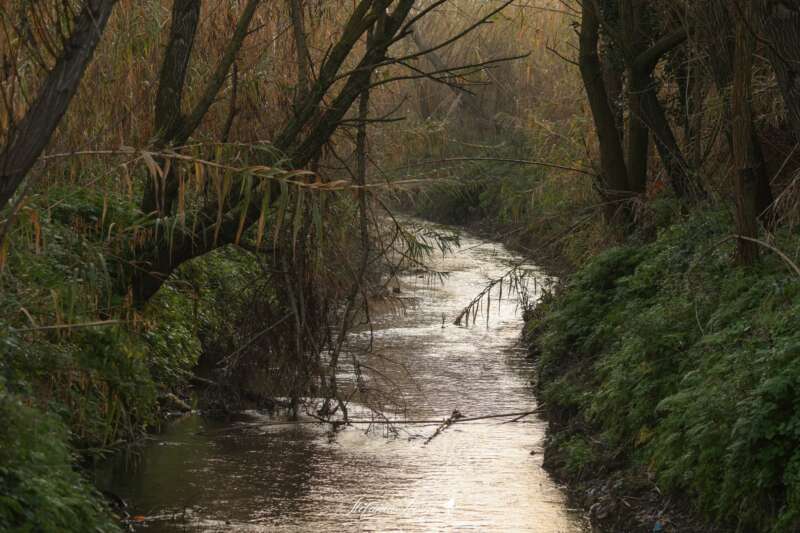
261 474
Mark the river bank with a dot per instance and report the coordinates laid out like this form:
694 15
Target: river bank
615 499
664 372
83 372
667 373
667 377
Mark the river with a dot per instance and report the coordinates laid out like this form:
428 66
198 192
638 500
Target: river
261 474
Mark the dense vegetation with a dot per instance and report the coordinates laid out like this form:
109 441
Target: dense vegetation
197 206
660 358
78 390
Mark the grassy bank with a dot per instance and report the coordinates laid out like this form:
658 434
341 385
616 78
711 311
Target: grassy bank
81 370
669 375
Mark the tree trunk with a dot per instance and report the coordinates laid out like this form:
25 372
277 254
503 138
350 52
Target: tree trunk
173 128
638 137
645 113
718 37
301 49
614 171
168 107
780 27
744 155
183 29
612 79
26 144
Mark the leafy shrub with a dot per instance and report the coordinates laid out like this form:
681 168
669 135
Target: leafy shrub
39 491
69 387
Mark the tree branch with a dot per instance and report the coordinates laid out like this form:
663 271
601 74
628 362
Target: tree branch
40 121
647 60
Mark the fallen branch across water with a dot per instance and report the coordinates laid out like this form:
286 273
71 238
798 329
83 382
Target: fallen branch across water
320 420
462 419
455 417
441 423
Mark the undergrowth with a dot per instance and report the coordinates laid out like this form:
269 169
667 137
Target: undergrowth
39 490
500 186
665 360
81 370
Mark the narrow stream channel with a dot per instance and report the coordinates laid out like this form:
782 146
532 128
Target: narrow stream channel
253 474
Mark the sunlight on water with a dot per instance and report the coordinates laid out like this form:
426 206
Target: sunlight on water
255 475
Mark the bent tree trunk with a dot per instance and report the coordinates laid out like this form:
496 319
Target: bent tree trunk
31 136
641 68
218 225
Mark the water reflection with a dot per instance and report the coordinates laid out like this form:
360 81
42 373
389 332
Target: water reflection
255 474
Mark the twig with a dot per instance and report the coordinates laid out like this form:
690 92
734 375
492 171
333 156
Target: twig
72 326
768 246
502 160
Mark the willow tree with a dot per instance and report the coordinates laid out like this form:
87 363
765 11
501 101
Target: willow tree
318 113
